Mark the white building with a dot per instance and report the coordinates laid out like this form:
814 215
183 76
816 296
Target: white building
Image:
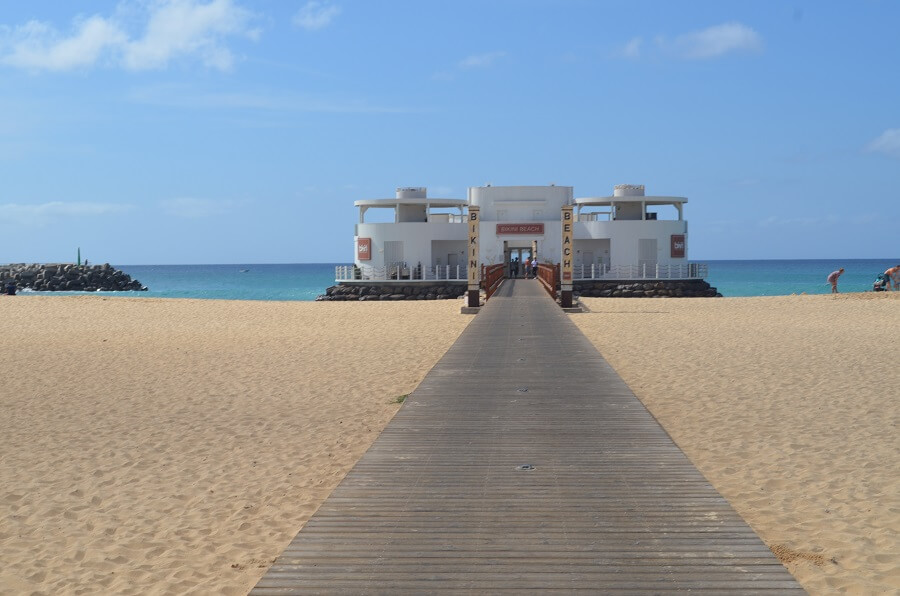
624 236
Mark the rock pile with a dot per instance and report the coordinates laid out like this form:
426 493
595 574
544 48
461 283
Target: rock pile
60 277
689 288
444 291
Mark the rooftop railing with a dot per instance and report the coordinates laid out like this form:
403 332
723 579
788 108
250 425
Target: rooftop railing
643 271
400 272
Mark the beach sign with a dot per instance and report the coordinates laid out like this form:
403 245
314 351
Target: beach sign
567 219
565 272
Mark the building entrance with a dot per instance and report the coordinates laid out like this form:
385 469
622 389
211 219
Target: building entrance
516 254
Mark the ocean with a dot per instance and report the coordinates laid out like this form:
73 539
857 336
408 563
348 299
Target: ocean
305 281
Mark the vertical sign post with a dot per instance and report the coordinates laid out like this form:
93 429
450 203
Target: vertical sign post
565 296
474 270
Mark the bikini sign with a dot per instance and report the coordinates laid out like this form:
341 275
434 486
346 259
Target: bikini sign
474 277
677 246
364 249
534 228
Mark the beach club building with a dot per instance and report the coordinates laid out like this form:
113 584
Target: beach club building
626 236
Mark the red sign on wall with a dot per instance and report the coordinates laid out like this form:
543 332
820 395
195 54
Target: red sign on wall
677 246
364 249
533 228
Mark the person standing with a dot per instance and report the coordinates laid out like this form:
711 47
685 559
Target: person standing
833 279
892 277
534 267
527 267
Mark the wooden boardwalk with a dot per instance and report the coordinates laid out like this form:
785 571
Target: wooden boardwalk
522 464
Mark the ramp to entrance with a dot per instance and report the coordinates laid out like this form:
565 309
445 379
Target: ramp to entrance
523 463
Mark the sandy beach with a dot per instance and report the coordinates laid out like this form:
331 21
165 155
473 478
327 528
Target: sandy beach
789 406
156 446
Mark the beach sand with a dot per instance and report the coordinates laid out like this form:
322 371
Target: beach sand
158 446
789 406
155 446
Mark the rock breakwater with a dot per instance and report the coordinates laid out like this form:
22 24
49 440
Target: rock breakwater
68 277
445 291
689 288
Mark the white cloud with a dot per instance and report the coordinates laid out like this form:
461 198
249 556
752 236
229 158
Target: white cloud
715 41
888 143
38 214
191 208
632 49
481 60
316 15
173 29
37 46
186 27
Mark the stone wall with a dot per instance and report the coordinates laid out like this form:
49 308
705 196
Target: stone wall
687 288
426 291
67 277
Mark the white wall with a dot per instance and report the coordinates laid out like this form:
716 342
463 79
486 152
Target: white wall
599 247
624 236
519 204
417 239
441 248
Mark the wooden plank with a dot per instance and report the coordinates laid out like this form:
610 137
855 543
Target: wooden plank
441 502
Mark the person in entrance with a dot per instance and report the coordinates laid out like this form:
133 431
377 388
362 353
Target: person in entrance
534 267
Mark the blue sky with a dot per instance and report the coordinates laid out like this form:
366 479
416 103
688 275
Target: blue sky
239 131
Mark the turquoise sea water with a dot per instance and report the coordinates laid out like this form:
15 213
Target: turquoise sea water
306 281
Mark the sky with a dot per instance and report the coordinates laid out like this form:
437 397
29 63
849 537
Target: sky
241 131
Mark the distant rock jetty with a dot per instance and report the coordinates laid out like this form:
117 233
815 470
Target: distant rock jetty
68 277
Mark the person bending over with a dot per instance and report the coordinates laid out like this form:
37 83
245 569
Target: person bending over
833 279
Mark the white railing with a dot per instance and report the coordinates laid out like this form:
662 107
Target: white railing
399 272
643 271
447 218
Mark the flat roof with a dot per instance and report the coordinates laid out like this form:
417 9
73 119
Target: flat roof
427 201
647 200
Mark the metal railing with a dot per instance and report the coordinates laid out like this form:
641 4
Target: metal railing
491 278
400 272
549 277
644 271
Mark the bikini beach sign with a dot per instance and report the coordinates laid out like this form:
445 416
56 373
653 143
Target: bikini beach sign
520 228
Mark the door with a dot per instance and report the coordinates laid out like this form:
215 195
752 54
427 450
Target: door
587 259
393 258
647 254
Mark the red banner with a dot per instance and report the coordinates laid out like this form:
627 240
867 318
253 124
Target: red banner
677 246
532 228
364 249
